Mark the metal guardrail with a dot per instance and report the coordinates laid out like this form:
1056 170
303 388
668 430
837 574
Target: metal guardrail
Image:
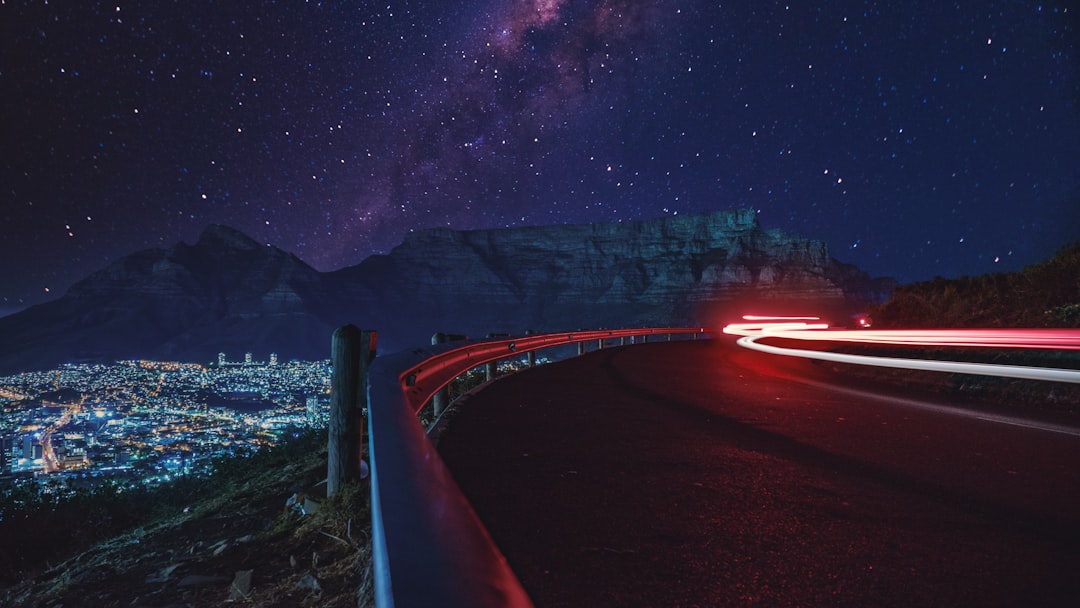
430 549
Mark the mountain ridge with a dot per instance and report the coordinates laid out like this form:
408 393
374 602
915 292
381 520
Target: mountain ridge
229 293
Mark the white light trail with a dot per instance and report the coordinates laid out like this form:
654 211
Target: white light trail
800 328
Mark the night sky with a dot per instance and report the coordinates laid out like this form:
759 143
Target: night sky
916 138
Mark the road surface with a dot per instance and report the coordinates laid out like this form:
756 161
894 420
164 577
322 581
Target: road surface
701 474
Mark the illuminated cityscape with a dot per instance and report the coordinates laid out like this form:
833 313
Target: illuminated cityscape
149 421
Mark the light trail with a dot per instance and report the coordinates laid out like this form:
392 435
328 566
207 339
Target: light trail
803 328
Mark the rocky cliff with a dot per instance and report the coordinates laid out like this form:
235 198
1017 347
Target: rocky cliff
228 293
674 270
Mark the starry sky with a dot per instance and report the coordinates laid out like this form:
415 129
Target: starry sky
915 138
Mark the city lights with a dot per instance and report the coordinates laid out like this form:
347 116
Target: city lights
146 421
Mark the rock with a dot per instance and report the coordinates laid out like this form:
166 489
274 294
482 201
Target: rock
241 586
301 503
308 582
162 575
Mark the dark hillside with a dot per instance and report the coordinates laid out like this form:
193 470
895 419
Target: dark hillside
1044 295
1041 295
200 541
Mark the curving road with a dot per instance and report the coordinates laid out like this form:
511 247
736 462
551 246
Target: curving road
702 474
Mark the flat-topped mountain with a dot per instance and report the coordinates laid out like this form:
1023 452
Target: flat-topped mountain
673 270
229 293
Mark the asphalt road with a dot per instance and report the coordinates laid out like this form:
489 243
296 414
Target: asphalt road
701 474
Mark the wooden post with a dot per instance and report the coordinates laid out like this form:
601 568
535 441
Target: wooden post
351 352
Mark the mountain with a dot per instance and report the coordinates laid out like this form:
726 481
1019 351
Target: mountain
224 293
675 270
227 293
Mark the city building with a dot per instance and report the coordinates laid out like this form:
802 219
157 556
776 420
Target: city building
143 421
315 415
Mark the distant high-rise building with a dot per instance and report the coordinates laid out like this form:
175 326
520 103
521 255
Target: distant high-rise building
221 359
247 358
273 358
314 415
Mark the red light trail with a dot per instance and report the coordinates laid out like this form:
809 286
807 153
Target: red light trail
811 329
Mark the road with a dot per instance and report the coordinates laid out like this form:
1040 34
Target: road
48 453
702 474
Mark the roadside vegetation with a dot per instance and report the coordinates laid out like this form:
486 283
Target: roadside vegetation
197 541
1041 295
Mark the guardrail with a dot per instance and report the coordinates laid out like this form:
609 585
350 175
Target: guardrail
430 549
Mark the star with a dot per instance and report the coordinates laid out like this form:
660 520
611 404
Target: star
332 131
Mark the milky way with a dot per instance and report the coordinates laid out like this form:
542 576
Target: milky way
920 139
